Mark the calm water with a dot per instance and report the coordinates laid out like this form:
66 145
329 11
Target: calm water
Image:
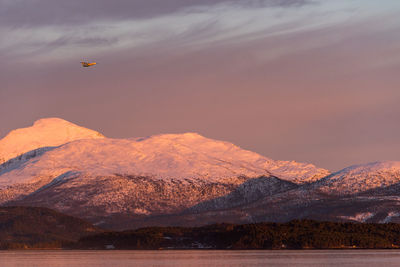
382 258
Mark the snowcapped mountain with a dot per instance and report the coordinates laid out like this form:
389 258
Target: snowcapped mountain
159 174
360 178
44 133
181 179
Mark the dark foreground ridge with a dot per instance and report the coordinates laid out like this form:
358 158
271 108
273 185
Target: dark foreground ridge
36 228
304 234
42 228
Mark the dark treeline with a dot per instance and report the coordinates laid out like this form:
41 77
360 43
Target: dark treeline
304 234
41 228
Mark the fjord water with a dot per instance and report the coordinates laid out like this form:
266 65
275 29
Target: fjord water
192 258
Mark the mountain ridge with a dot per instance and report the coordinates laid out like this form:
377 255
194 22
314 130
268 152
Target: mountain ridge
361 177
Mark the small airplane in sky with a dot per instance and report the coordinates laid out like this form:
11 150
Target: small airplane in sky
87 64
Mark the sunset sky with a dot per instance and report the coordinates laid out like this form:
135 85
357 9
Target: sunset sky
313 81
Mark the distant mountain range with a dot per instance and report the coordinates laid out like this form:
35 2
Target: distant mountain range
181 179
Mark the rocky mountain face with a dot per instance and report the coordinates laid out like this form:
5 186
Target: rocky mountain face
181 179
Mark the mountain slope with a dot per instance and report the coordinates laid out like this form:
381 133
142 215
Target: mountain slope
360 178
360 193
43 133
248 192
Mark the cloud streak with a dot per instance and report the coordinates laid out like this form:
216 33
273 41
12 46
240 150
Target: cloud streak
234 21
30 13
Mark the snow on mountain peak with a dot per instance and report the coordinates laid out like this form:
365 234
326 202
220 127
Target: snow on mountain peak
164 156
358 178
45 132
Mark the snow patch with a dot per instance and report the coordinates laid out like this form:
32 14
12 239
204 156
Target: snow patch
141 211
360 217
390 216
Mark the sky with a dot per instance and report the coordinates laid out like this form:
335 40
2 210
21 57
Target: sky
308 80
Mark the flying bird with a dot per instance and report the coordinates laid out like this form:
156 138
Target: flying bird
87 64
